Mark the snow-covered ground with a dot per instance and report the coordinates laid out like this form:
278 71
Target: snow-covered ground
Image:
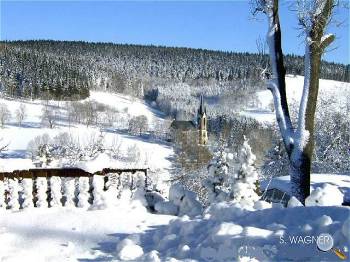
154 153
63 234
127 231
317 180
262 112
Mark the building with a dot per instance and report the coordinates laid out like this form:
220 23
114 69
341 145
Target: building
188 131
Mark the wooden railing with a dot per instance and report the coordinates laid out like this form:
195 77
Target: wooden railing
66 187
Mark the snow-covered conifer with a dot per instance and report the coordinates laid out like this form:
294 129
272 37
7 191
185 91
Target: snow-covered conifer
245 183
217 183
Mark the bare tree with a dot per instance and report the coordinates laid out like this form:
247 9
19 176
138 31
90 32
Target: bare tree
49 116
138 124
21 113
5 114
3 146
314 17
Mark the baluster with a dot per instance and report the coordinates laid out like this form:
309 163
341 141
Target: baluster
41 187
84 195
13 199
27 185
68 191
56 191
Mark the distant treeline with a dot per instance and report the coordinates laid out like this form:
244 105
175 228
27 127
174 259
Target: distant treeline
68 70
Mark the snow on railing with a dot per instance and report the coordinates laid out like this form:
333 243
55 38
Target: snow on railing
52 187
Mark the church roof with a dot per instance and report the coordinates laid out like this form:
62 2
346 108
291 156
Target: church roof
183 125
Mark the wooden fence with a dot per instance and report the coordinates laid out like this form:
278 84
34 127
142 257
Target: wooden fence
66 187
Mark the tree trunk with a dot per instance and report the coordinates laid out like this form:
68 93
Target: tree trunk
299 143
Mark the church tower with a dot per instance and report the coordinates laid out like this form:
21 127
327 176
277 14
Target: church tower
202 123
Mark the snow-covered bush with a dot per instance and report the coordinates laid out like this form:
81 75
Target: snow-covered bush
153 198
41 187
64 149
181 202
27 196
133 154
327 195
13 197
56 194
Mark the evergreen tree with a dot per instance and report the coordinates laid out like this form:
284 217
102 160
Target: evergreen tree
245 187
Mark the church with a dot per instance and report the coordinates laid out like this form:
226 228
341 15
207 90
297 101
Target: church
192 130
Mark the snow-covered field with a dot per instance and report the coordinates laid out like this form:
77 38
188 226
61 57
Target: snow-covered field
155 154
263 113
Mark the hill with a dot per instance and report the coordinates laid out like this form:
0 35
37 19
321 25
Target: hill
68 70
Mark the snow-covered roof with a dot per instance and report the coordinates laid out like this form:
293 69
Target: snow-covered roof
183 125
317 180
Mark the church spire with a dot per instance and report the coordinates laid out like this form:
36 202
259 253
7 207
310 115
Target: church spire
202 123
202 110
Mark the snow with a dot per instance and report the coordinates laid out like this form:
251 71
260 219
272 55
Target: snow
99 201
115 229
61 234
227 235
294 88
68 191
2 193
154 155
124 103
342 182
84 195
13 197
128 250
41 186
181 202
294 202
56 195
27 185
327 195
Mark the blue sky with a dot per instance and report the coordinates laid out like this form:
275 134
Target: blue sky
220 25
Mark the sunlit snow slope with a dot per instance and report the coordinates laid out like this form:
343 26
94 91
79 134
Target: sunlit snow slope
262 112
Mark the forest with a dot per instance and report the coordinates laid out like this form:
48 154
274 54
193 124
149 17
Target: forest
67 70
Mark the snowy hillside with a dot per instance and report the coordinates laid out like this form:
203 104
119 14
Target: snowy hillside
263 109
152 154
